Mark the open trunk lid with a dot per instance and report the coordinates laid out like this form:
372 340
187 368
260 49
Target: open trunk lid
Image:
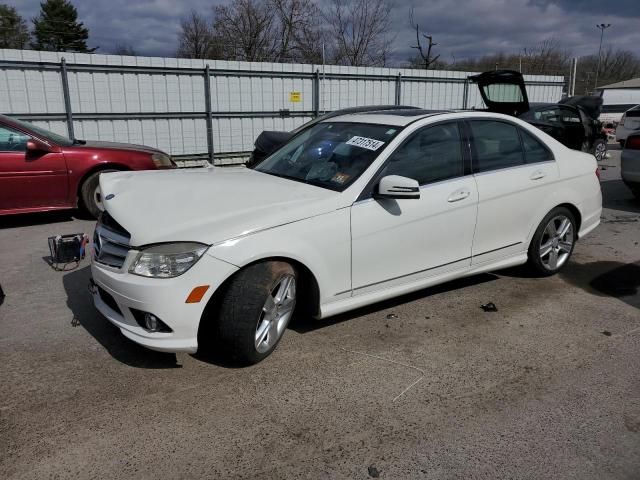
502 91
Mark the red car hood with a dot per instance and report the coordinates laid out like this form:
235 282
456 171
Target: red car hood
116 146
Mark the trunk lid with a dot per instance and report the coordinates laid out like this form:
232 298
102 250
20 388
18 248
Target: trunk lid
503 91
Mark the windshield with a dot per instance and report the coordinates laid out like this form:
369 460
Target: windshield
46 134
330 154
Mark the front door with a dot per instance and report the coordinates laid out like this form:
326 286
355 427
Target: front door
28 179
399 241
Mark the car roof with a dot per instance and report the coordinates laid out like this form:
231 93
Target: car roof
400 117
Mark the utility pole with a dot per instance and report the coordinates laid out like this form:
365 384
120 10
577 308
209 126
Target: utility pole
602 27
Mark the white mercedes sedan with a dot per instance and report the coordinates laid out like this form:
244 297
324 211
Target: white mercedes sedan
350 211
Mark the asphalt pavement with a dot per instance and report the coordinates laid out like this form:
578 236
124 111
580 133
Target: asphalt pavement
426 386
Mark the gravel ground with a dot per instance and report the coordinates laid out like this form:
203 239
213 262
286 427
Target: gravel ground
426 386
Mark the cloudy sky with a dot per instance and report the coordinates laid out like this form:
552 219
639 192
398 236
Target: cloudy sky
462 28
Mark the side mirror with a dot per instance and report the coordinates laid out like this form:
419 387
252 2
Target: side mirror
395 186
34 146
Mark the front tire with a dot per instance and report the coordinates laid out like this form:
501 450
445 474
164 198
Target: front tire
90 195
552 243
254 311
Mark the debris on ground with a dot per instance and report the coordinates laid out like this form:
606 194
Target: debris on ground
489 307
391 315
607 333
373 472
622 219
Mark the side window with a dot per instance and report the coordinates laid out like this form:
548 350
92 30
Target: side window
497 145
12 141
569 116
430 155
534 150
549 115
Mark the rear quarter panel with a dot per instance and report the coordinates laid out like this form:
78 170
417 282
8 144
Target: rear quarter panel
577 185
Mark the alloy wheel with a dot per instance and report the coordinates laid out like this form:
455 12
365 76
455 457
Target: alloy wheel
556 243
601 150
276 313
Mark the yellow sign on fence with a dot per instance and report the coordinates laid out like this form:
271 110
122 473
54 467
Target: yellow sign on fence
295 97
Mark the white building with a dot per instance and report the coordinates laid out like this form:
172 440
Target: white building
618 98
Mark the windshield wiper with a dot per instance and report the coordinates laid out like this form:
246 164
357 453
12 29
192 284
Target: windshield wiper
79 142
298 179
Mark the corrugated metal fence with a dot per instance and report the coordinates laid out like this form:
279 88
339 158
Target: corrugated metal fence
212 108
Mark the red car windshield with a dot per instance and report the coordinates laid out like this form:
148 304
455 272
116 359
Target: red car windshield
41 132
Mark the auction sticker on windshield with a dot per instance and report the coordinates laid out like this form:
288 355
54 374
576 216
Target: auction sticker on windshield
364 142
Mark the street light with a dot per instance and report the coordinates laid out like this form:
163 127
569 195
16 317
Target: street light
602 27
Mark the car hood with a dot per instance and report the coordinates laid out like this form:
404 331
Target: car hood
208 205
116 146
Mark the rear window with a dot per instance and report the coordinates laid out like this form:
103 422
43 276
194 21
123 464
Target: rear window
503 93
634 112
617 108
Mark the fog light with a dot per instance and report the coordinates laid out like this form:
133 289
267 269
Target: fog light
151 322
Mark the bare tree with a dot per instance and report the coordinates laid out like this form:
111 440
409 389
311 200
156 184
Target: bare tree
615 66
545 58
426 59
196 37
299 37
125 49
247 30
361 31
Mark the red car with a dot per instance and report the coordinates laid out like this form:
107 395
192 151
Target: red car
41 170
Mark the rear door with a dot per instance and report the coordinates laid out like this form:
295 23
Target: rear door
29 179
513 171
574 131
503 91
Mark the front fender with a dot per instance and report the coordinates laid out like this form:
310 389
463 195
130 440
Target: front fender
321 243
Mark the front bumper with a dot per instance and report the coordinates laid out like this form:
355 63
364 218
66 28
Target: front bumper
163 297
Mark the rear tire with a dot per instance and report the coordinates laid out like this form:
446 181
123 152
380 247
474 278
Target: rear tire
599 149
254 311
90 195
553 242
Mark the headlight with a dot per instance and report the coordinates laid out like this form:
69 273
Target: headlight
167 260
162 160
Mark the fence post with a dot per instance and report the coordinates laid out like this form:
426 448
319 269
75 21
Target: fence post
398 88
465 94
207 101
67 98
316 93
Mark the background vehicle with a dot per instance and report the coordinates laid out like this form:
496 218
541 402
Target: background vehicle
41 170
629 123
353 210
618 98
269 141
573 121
630 168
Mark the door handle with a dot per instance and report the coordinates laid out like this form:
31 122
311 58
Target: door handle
537 175
458 195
